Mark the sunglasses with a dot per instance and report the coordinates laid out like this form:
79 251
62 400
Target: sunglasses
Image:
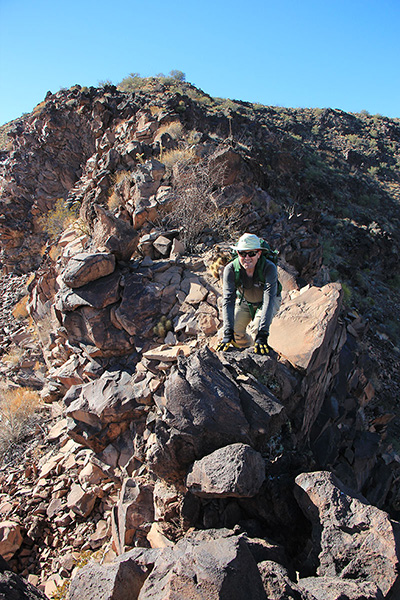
251 253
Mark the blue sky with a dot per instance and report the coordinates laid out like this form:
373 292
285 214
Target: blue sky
295 53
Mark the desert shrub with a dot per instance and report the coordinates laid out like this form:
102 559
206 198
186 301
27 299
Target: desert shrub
393 329
194 137
59 218
372 148
199 96
18 413
121 176
394 282
193 209
134 81
84 556
156 110
368 200
347 294
174 129
104 83
373 171
355 141
328 250
177 75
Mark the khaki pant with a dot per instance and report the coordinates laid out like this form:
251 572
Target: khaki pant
245 328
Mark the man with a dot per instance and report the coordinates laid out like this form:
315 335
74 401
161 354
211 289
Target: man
250 295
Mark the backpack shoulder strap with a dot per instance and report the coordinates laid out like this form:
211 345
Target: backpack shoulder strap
260 269
236 268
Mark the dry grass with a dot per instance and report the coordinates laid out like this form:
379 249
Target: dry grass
114 201
18 412
20 310
156 110
174 129
182 156
13 356
121 176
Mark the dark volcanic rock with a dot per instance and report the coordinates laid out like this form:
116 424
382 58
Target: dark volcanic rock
13 587
353 539
233 471
205 409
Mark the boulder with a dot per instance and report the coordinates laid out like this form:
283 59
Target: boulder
97 328
214 564
13 587
307 334
197 293
301 327
81 502
167 353
226 164
334 588
278 585
206 408
234 195
134 511
117 236
10 539
147 180
97 294
121 580
233 471
101 410
211 564
162 244
85 267
140 303
352 539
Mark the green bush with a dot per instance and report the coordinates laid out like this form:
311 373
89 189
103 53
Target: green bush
177 75
59 218
347 293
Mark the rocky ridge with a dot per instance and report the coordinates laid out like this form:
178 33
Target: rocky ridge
148 457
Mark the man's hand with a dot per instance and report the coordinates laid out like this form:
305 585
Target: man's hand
227 342
261 345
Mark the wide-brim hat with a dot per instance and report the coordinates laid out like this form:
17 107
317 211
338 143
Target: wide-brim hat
248 241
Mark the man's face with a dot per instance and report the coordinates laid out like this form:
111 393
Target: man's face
249 258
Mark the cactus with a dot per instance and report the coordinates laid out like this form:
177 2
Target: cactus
163 326
218 265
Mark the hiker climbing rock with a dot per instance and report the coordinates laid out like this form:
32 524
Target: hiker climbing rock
251 295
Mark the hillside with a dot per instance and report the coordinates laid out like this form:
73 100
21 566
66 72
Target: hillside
117 204
339 171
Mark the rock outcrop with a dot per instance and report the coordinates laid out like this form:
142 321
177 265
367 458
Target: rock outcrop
355 540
